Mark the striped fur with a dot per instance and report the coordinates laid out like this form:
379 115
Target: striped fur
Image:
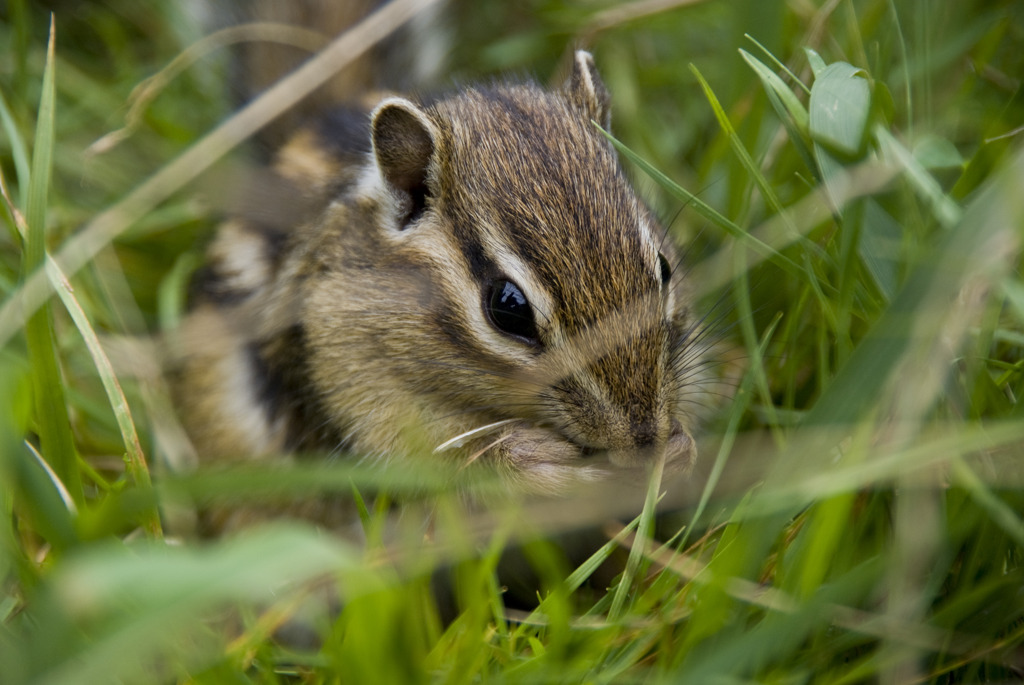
363 326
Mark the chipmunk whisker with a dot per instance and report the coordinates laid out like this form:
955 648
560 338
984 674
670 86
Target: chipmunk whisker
460 439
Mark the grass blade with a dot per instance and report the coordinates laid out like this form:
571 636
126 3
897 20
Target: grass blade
767 192
144 599
778 63
814 59
773 84
643 535
58 446
945 209
135 460
742 401
788 108
920 321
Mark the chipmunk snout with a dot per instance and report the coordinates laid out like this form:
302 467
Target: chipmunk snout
645 433
613 401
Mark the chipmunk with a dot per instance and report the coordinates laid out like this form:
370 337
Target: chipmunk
471 272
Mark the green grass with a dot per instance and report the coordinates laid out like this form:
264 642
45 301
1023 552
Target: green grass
850 181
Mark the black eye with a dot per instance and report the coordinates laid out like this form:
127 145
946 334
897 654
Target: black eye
509 311
666 269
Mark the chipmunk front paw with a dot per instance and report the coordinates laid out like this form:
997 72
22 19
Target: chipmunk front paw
541 461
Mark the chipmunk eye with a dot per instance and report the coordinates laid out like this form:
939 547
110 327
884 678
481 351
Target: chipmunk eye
509 311
666 269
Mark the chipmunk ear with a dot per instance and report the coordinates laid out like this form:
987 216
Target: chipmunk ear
586 90
404 142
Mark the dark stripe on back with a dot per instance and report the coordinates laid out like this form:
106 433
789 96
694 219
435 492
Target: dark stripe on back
207 285
284 388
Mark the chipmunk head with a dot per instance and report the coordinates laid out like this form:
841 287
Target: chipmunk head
516 283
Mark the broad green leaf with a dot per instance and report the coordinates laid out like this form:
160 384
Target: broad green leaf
840 109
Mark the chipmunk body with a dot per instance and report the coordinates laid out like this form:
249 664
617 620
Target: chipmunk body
472 274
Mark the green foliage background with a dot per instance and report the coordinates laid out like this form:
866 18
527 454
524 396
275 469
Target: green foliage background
849 176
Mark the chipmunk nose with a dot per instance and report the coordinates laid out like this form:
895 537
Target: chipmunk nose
679 448
645 433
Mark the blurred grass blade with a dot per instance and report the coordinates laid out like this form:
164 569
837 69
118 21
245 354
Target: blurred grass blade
56 440
931 451
19 154
921 321
879 247
945 209
152 600
1002 514
26 486
738 411
135 460
817 543
934 152
149 89
1013 291
814 208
